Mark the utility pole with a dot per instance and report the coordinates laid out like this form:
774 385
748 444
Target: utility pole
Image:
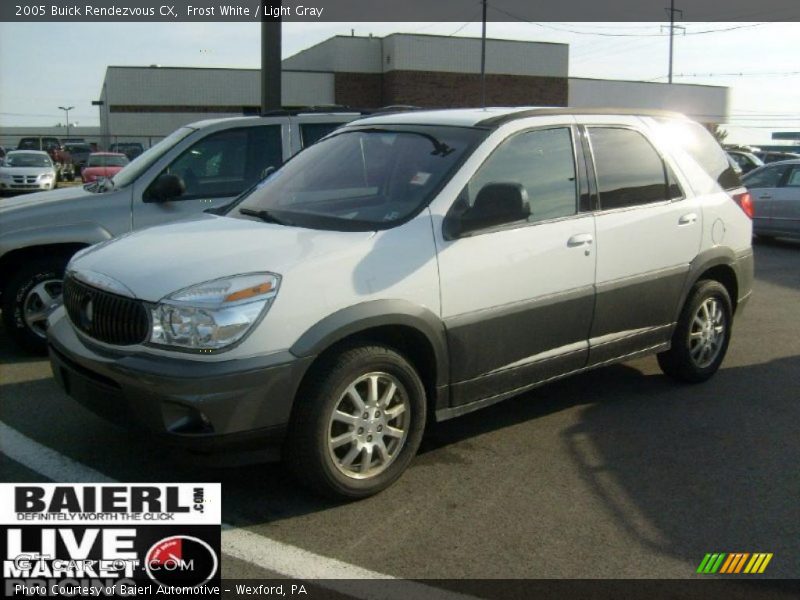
672 10
483 58
66 109
270 64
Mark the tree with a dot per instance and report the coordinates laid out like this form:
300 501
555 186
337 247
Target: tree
717 131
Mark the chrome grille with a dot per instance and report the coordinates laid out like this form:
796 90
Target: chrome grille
104 316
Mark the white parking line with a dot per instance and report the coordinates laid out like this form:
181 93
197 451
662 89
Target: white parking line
44 460
272 555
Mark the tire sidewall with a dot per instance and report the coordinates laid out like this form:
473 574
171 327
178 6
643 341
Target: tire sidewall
335 387
14 301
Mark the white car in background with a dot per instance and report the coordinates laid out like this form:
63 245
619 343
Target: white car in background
27 171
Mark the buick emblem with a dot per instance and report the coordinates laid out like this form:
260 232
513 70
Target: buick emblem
87 312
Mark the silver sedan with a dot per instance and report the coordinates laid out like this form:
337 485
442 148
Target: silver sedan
775 190
27 171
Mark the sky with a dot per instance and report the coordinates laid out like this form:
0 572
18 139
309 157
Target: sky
47 65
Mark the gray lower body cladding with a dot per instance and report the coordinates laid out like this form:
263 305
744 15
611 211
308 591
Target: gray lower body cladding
208 406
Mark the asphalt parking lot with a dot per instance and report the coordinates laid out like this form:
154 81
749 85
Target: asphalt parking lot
613 474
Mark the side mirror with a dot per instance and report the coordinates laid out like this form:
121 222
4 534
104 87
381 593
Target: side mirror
167 187
496 204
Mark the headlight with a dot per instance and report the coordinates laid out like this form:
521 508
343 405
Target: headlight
46 176
215 314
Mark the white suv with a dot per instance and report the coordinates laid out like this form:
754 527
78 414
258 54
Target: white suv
407 268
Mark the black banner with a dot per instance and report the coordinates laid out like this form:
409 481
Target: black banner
387 10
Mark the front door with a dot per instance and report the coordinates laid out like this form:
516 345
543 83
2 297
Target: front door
785 215
517 300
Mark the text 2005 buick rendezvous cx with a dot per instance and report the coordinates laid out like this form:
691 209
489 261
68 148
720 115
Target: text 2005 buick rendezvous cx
412 267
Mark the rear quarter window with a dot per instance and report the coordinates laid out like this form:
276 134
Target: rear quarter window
698 143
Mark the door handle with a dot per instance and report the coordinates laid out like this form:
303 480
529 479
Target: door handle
687 219
580 239
765 197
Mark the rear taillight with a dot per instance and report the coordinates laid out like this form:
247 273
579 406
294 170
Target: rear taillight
745 202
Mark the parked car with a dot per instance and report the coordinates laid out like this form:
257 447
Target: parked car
409 268
80 154
27 171
215 160
102 165
65 170
746 160
771 156
129 149
2 151
776 199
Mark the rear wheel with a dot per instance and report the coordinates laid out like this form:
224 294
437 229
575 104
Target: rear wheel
701 336
357 423
31 295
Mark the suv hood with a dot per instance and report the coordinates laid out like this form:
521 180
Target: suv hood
43 198
161 260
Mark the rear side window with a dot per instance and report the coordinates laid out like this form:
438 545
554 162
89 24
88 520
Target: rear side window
698 143
629 170
311 132
543 162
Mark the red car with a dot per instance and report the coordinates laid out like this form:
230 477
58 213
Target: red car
101 165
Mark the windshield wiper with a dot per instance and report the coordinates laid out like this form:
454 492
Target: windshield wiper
264 215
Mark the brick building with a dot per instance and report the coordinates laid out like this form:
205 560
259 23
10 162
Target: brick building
368 72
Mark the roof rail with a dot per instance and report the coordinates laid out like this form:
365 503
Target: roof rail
499 120
319 108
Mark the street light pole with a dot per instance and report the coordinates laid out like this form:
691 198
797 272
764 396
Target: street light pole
66 109
483 58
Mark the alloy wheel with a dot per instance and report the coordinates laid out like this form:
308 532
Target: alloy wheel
707 333
369 425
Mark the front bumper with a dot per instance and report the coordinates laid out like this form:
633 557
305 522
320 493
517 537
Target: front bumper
235 405
39 186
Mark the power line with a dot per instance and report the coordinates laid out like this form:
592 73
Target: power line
604 34
735 74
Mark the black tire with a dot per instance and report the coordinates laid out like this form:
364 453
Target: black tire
17 290
678 362
306 450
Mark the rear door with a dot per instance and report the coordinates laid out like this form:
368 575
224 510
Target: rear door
648 231
215 169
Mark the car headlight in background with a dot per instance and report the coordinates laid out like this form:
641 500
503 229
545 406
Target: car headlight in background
215 314
46 176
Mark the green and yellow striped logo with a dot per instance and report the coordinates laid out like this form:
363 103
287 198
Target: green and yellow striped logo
734 563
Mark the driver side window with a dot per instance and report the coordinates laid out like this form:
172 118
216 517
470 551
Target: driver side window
228 162
543 162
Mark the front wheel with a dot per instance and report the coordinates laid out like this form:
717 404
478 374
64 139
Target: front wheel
701 336
357 423
31 295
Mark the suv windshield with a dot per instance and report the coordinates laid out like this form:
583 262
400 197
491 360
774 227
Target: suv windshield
142 162
361 179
